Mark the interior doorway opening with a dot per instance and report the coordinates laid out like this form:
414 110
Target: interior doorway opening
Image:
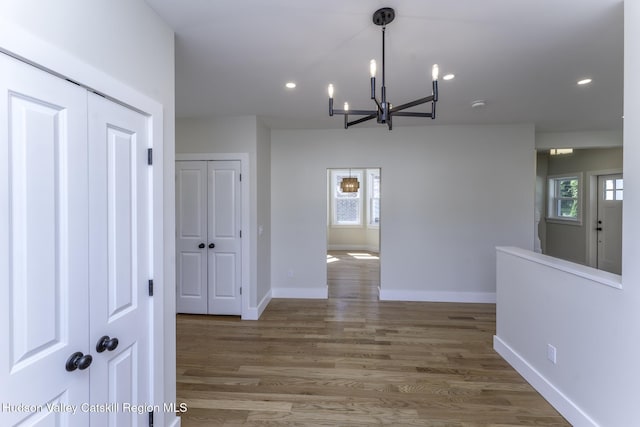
353 233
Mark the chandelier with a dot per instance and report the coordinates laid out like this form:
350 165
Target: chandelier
350 184
385 110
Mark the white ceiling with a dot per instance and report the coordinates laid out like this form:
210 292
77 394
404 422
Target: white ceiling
524 57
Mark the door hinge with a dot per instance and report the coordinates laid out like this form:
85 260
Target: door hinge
240 290
151 419
240 177
241 234
151 287
149 156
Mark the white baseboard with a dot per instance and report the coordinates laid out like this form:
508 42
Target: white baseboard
555 397
436 296
254 313
304 293
367 248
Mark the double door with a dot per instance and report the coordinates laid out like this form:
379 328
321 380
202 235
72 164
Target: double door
208 243
74 254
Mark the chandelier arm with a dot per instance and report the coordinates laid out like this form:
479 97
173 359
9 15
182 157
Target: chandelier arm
429 98
363 119
355 112
410 114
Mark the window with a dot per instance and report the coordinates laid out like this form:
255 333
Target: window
373 197
613 189
565 198
347 207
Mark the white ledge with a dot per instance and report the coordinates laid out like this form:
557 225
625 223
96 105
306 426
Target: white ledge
590 273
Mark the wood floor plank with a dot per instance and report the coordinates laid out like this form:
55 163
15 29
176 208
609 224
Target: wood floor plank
352 360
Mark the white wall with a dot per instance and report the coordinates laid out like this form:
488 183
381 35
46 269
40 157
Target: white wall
128 42
472 190
594 327
243 134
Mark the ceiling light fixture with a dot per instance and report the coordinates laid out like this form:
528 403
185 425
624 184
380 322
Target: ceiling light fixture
290 85
584 82
450 76
384 110
350 184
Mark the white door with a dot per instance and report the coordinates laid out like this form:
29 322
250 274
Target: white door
119 262
191 237
44 317
208 237
609 228
224 242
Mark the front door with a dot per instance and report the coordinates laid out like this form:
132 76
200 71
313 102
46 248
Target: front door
609 223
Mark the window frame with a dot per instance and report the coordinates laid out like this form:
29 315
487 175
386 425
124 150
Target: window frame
371 174
335 173
553 199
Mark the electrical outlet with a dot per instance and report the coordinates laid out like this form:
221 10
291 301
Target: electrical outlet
551 353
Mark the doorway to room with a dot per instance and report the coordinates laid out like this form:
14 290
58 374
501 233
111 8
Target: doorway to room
353 232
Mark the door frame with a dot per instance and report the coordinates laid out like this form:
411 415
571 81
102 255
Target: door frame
20 44
591 211
245 258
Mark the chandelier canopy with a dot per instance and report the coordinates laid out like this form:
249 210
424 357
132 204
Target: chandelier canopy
385 110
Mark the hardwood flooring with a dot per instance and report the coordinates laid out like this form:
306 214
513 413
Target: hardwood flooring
352 361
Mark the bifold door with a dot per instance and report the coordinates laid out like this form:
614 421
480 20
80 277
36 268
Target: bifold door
209 237
74 254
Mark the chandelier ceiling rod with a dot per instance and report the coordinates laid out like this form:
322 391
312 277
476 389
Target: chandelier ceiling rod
385 110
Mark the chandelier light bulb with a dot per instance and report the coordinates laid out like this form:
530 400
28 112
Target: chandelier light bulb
434 72
346 106
372 67
330 91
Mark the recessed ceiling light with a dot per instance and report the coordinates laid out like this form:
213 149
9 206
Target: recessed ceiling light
479 103
584 81
290 85
448 76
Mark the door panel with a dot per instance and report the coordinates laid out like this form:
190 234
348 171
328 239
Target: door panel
43 254
224 233
191 224
119 258
610 199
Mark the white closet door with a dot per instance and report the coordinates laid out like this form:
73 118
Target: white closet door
44 316
191 239
224 237
119 254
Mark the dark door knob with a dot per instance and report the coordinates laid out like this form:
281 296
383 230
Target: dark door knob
201 245
212 245
78 361
599 228
106 343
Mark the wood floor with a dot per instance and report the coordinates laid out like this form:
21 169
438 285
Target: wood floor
352 361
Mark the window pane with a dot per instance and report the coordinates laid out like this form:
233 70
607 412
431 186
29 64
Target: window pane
608 184
347 210
618 184
375 212
568 208
608 195
618 194
568 188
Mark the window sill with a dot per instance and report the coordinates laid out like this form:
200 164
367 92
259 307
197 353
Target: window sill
575 223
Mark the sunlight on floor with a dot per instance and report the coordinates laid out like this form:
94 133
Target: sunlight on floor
331 258
363 256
